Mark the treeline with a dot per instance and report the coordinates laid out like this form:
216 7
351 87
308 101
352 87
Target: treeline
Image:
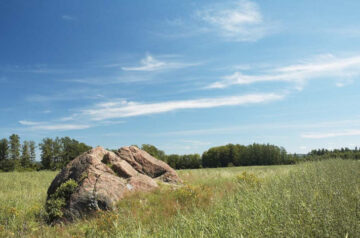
343 153
55 153
240 155
17 156
189 161
225 156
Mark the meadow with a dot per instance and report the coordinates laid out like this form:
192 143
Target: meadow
312 199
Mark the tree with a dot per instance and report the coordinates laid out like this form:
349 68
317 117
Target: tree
173 160
57 150
46 147
153 151
25 155
55 154
255 154
15 148
191 161
71 149
32 151
4 150
4 154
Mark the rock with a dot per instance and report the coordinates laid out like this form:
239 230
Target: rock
144 163
103 178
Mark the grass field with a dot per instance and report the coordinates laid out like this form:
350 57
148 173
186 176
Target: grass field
314 199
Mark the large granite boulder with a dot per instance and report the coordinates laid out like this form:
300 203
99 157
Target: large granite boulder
102 178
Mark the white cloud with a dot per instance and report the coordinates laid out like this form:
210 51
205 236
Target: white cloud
52 127
28 123
329 66
61 127
352 132
239 21
69 118
149 63
36 69
344 31
68 18
74 93
259 126
344 82
122 108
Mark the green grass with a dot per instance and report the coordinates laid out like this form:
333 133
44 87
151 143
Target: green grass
314 199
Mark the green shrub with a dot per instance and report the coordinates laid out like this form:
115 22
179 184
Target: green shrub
57 201
54 208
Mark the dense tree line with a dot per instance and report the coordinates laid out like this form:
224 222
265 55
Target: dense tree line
17 156
224 156
190 161
153 151
55 153
240 155
344 153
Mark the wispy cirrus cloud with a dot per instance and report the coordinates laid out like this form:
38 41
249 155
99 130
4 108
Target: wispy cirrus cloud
123 108
344 31
329 66
149 63
322 135
28 123
238 21
103 114
47 126
330 125
68 18
76 93
35 69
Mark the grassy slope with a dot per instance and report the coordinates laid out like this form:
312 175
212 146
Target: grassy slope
318 199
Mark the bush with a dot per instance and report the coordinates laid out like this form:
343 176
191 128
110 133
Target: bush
57 201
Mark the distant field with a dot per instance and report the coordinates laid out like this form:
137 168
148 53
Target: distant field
314 199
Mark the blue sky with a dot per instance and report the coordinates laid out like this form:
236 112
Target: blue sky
182 75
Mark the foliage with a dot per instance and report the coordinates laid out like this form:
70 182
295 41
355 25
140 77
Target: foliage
239 155
57 200
14 147
153 151
190 161
71 149
12 158
321 154
56 153
4 150
32 146
25 155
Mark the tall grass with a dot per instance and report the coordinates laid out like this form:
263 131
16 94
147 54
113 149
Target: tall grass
319 199
314 199
22 199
